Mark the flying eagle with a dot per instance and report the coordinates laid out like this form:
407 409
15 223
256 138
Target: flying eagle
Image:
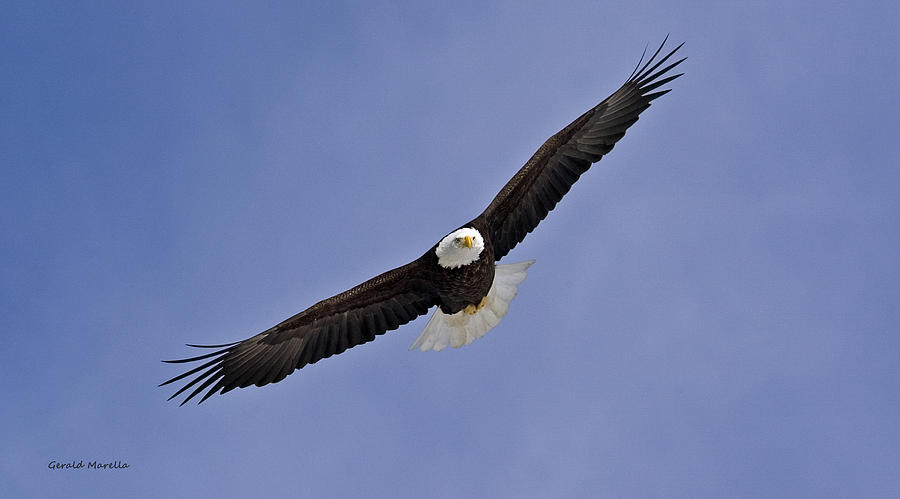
458 274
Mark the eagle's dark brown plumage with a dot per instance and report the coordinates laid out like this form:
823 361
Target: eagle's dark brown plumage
398 296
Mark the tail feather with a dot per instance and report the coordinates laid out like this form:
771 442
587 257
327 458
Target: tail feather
461 328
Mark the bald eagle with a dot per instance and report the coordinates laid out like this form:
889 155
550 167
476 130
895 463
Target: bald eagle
458 275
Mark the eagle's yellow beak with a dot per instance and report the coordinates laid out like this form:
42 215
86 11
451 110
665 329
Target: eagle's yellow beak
469 242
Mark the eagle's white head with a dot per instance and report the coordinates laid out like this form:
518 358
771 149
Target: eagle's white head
460 247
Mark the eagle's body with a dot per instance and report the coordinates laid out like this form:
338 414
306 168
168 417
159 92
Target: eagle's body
458 275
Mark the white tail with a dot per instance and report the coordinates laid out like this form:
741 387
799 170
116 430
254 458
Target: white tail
463 328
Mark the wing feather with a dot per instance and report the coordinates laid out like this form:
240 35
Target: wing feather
328 328
542 182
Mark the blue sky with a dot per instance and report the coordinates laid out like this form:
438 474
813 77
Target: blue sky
712 312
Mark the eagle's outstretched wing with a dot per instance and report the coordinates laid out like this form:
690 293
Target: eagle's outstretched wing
536 188
329 327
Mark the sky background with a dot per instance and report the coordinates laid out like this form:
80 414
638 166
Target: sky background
713 311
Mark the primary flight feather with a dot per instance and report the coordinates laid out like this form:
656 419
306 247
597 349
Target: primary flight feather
458 274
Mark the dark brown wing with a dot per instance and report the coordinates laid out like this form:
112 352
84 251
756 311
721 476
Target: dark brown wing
329 327
536 188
